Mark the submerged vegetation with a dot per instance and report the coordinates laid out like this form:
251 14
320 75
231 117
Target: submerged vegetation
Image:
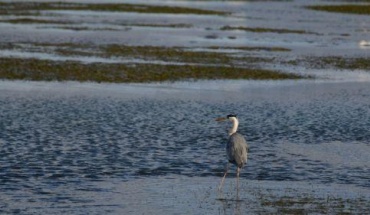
265 30
207 55
166 54
350 8
316 205
33 21
141 63
36 69
335 62
252 48
151 63
346 63
34 8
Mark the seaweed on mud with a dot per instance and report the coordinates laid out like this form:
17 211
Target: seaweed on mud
175 25
174 54
34 8
336 62
362 9
33 21
36 69
252 48
180 64
303 204
266 30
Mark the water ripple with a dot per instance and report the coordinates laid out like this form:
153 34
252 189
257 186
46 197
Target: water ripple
59 138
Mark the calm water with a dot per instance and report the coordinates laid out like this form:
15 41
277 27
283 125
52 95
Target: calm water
60 137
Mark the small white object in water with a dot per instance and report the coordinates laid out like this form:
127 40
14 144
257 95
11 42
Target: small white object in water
364 44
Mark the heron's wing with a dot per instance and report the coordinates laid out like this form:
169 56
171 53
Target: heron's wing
237 149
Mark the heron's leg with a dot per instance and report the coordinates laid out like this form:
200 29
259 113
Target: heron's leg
237 176
223 178
237 183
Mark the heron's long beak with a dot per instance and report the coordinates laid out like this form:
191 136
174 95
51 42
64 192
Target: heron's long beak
221 119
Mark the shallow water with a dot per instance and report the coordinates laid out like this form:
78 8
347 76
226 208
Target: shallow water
87 148
326 33
59 138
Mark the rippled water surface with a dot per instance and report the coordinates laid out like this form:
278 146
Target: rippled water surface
58 136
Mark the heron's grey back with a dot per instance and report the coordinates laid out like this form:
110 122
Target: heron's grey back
236 149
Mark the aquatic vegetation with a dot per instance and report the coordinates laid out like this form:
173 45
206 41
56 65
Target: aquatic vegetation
33 21
176 54
172 54
350 8
252 48
178 25
265 30
298 205
336 62
347 63
179 63
165 54
36 69
27 8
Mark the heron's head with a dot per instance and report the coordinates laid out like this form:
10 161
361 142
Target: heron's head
230 117
233 119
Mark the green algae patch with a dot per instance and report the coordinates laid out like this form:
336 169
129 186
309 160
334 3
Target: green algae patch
46 70
34 8
363 9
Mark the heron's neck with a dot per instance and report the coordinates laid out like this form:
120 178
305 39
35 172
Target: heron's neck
235 126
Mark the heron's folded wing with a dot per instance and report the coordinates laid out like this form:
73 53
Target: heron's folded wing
237 149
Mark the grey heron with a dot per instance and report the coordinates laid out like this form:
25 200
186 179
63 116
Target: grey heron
236 148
